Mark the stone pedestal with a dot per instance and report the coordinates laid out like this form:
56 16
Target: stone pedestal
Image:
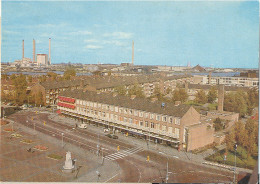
68 166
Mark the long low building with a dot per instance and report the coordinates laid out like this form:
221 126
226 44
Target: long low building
51 89
160 122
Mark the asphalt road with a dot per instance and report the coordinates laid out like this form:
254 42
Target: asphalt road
130 158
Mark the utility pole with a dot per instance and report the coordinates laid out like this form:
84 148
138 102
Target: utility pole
167 171
234 181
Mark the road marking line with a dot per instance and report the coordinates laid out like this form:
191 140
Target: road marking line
115 156
111 177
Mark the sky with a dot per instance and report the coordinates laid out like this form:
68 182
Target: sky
173 33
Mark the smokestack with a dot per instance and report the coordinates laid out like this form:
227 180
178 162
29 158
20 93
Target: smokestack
133 53
33 50
23 49
221 93
49 51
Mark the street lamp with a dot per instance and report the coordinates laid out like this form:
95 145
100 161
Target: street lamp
62 139
166 179
235 163
34 127
102 150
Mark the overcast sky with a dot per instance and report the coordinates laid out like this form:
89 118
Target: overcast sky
218 34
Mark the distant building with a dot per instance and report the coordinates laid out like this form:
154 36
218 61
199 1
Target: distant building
229 81
42 59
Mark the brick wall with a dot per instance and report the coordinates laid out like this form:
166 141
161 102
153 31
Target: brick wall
200 136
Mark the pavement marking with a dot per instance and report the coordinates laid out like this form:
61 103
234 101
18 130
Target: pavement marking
112 177
124 153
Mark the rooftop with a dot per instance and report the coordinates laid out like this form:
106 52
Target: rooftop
127 102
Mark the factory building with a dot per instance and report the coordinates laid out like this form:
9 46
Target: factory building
42 59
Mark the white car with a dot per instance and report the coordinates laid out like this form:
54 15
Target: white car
83 126
106 130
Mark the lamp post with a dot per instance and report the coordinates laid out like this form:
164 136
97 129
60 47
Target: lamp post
167 172
34 127
235 163
62 139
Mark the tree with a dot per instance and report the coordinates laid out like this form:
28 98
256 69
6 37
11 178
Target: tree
230 140
20 84
236 102
212 95
4 76
157 94
136 90
68 73
52 75
39 98
252 99
218 125
179 95
201 97
241 135
30 78
42 78
120 90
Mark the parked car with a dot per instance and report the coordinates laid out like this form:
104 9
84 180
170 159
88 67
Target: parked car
83 126
112 136
106 130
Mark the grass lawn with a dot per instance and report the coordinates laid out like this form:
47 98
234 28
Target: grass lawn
242 159
54 156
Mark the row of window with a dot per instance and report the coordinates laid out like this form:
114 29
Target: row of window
145 124
128 111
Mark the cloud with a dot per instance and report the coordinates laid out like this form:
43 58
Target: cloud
113 42
80 33
10 32
93 47
91 41
119 35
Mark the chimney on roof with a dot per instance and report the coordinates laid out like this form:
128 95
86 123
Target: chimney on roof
133 97
177 103
154 99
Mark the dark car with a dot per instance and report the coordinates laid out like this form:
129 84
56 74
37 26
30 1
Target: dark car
112 136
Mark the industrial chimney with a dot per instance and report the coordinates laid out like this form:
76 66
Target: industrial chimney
33 50
133 53
221 93
23 49
49 51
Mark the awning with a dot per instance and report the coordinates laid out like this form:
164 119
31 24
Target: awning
66 99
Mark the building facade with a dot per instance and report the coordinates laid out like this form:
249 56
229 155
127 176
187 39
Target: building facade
228 81
42 59
152 120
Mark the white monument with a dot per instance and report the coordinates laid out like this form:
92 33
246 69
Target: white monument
68 166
